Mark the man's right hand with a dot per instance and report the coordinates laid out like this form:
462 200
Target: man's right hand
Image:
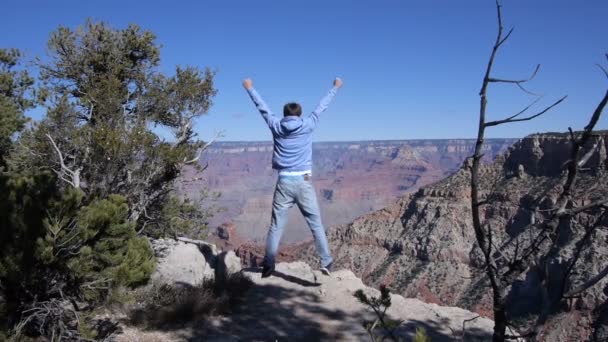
338 82
248 83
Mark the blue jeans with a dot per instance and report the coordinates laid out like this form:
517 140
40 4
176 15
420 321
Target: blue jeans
292 190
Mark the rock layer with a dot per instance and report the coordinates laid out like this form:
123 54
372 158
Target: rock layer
351 178
423 245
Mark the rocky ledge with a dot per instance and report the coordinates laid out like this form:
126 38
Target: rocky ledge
296 304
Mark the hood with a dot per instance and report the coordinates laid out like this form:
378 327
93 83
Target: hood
290 124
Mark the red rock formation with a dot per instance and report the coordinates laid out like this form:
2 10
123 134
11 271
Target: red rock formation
352 179
226 231
424 246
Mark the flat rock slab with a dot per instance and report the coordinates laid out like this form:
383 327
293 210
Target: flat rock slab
301 304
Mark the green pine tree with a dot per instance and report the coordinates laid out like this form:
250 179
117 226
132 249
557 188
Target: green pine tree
15 86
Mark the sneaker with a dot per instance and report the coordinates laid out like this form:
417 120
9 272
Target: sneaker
267 271
327 269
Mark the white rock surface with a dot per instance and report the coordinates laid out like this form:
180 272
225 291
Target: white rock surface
301 304
180 263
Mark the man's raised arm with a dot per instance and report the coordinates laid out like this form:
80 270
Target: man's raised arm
259 103
325 101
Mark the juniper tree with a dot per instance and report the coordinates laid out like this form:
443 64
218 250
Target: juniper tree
93 172
111 253
15 88
104 98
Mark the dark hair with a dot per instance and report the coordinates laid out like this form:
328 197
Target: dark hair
292 109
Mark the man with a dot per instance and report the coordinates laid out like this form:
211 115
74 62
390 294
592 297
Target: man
292 157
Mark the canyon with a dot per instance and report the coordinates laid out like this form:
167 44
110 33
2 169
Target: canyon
423 245
351 179
407 218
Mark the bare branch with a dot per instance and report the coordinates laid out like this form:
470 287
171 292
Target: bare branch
500 80
512 118
564 198
63 166
484 239
205 147
185 132
577 145
577 253
62 177
587 156
588 284
506 37
521 87
603 69
572 137
596 115
540 232
597 204
464 330
519 337
74 175
523 110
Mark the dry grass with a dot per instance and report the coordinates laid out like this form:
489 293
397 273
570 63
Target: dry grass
169 305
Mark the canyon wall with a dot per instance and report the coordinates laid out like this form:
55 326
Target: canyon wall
351 178
423 245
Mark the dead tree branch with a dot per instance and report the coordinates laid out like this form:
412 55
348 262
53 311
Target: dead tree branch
464 323
74 175
588 284
513 118
580 246
602 68
498 80
596 204
483 236
588 155
216 136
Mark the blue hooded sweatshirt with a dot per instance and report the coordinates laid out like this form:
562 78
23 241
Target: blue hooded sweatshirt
292 135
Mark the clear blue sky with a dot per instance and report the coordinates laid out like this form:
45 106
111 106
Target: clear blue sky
412 69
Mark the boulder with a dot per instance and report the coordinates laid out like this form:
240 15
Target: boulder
182 263
189 262
227 264
226 231
521 171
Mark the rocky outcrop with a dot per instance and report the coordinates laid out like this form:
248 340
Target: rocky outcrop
335 294
546 154
300 304
423 245
226 231
252 255
351 178
227 264
189 262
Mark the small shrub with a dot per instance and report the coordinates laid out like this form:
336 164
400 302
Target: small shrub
379 305
421 336
56 252
174 304
113 254
388 326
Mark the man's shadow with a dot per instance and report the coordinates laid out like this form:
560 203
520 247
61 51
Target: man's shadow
286 277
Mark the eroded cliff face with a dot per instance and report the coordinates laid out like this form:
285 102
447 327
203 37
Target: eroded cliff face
351 178
424 246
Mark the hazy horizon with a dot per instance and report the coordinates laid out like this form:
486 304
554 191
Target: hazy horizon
356 141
